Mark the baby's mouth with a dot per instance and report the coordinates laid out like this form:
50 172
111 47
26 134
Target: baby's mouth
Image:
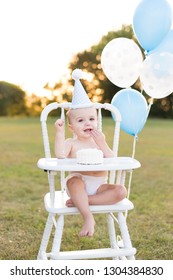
88 130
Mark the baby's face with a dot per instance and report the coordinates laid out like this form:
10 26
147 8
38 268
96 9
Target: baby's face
82 121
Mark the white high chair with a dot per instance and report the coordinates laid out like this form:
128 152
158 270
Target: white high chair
55 200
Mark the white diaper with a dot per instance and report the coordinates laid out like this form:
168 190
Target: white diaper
92 183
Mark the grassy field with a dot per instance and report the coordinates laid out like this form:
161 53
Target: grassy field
23 185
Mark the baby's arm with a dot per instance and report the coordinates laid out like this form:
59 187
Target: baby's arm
99 139
62 147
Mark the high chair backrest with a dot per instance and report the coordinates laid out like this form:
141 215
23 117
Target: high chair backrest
64 106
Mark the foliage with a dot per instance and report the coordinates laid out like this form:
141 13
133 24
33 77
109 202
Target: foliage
163 108
35 104
12 100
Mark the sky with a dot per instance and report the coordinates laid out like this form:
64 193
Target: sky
39 37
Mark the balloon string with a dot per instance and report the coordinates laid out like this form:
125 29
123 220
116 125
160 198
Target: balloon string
150 104
128 190
131 172
133 154
134 145
151 100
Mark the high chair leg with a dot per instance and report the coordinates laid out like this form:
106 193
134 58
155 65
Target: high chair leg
45 239
57 236
112 233
125 234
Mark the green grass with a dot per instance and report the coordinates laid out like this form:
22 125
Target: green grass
23 185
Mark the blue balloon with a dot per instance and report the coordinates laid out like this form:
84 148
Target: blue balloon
166 44
152 20
133 108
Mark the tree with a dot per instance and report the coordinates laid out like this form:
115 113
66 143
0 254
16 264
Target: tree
12 100
99 88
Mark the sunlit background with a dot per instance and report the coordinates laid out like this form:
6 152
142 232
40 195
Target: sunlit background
39 37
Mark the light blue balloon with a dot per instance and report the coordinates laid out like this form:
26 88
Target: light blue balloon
133 108
166 44
152 20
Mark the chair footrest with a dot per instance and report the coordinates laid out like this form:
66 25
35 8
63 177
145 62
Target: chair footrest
92 254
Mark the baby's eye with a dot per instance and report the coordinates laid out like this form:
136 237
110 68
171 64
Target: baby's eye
92 119
80 120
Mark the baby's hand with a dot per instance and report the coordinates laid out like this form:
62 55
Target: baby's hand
98 137
59 125
100 140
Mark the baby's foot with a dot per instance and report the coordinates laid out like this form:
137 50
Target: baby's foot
69 203
88 226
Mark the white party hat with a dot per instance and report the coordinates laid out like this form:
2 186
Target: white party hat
80 98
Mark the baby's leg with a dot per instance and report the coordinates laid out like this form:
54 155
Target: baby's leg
108 194
79 198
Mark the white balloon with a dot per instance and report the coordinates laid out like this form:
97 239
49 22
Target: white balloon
157 75
121 60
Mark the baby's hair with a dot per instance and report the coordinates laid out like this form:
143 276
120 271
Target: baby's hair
68 114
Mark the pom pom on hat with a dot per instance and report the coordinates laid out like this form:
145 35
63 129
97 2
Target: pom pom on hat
80 98
77 74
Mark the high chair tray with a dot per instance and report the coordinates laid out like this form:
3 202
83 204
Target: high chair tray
117 163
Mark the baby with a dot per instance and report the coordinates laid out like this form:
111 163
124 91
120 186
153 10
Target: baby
86 187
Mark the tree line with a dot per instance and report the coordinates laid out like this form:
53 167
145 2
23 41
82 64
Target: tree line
15 101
